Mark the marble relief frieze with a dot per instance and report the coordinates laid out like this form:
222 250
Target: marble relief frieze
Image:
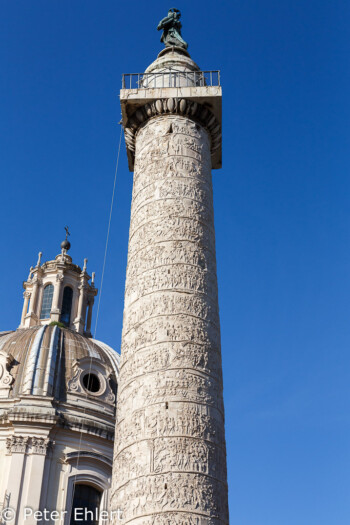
170 456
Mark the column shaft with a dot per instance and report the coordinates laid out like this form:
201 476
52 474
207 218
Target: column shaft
55 308
79 321
25 307
170 463
33 299
89 316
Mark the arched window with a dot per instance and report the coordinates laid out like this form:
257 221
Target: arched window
86 505
66 305
47 302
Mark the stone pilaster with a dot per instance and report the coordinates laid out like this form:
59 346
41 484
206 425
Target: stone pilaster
90 306
26 297
33 314
79 320
57 297
17 448
170 460
40 447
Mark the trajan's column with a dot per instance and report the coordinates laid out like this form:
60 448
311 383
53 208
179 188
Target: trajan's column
170 459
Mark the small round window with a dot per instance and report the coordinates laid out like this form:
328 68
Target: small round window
92 383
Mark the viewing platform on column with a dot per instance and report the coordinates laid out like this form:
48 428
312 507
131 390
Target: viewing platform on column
172 84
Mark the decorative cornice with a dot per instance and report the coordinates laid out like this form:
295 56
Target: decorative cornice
173 106
47 417
72 456
80 424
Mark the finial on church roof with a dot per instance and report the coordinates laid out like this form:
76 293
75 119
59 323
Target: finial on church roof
171 26
39 258
65 245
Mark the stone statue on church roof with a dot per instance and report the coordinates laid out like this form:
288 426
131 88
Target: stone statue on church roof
171 26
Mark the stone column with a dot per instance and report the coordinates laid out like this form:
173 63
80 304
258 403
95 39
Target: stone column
55 308
26 296
17 447
89 316
35 467
79 320
170 460
33 313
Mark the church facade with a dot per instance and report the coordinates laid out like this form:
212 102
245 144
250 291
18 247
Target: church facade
58 391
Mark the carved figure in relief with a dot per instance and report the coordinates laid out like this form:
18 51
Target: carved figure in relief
171 253
156 210
178 277
182 493
170 167
178 519
186 421
172 229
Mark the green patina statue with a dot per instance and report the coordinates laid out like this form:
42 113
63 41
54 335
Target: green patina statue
171 26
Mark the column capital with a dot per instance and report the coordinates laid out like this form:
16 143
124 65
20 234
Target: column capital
17 444
20 444
41 445
183 107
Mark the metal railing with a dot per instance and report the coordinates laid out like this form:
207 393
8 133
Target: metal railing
160 79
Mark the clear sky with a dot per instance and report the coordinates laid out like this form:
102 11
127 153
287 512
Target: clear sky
281 212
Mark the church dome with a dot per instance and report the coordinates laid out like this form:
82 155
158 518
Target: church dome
58 394
57 362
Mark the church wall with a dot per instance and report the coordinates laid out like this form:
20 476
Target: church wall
5 461
45 480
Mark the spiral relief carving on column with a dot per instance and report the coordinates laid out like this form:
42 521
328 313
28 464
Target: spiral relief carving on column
170 459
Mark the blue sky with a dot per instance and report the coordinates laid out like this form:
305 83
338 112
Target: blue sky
281 212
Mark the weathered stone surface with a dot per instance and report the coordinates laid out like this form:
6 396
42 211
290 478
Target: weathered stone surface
170 460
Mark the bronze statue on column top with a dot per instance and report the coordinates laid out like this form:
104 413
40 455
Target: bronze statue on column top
171 26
